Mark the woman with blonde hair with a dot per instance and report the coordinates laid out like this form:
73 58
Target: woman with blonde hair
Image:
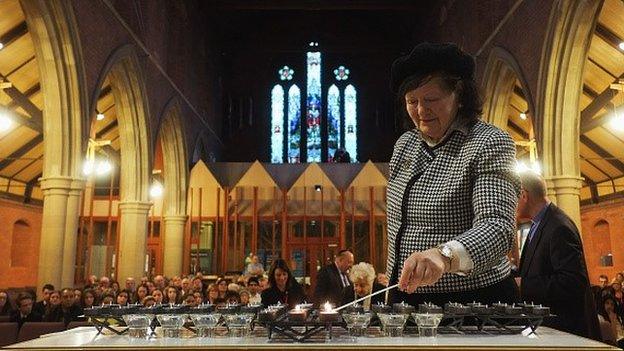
363 277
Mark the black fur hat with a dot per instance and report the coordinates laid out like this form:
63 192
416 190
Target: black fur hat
428 58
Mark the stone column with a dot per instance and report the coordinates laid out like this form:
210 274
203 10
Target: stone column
564 191
71 233
132 239
53 225
173 244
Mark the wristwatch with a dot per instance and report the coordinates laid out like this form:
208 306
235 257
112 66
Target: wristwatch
446 251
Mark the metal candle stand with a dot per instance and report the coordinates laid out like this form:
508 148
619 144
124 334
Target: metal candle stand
284 326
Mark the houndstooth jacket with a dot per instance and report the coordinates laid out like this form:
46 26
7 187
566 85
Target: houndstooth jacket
463 189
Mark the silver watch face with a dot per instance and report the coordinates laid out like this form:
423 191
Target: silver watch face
446 251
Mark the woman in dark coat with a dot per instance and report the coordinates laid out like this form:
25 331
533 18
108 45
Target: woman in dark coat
283 286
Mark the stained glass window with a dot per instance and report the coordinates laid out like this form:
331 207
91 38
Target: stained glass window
314 107
333 121
286 73
350 97
341 73
277 124
294 124
287 121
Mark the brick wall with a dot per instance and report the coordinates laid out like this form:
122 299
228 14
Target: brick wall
603 229
12 212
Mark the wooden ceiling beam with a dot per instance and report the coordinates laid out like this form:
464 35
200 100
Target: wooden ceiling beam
618 164
607 35
14 33
516 128
22 100
106 129
17 154
588 122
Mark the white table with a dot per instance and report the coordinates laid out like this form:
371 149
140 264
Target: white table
86 338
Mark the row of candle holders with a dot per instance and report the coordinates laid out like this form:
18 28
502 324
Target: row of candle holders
303 322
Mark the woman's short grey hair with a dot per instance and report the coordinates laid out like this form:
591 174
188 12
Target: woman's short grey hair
364 271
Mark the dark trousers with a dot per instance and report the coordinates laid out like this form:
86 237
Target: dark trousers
504 291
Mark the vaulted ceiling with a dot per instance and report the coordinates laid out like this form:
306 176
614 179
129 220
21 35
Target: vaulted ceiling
21 146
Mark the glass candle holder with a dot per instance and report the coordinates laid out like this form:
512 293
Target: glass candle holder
205 323
239 324
428 323
356 323
138 325
171 324
393 324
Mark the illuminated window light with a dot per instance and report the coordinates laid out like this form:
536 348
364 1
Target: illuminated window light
88 167
617 122
522 167
5 122
103 167
156 190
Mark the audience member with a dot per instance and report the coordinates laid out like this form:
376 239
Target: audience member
244 296
6 309
603 280
232 297
40 306
115 286
67 311
253 287
186 286
363 277
189 299
198 285
159 282
222 286
283 286
108 298
333 279
199 297
141 293
173 295
87 300
158 296
148 301
608 311
25 311
213 293
123 298
130 285
617 288
254 268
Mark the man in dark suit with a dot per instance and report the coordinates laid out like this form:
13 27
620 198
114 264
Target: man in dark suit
25 312
40 306
552 265
67 311
333 278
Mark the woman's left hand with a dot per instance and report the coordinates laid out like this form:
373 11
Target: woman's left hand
422 268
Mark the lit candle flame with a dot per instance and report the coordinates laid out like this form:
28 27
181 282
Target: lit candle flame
327 307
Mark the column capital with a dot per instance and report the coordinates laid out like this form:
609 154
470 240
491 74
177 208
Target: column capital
564 184
175 218
58 182
138 207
